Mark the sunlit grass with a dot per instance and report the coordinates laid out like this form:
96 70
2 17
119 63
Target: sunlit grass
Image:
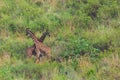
1 4
70 25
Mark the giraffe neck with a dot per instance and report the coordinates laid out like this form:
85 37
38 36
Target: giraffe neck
33 37
42 38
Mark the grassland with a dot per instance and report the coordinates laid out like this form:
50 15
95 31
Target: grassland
84 33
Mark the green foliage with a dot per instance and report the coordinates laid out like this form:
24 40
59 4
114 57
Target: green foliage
84 35
5 71
18 15
79 46
44 71
111 10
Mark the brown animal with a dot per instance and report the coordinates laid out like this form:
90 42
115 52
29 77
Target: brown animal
39 46
31 50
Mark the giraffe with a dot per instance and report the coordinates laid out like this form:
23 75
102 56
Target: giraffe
31 50
39 46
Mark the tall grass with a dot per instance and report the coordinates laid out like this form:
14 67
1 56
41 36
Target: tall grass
84 35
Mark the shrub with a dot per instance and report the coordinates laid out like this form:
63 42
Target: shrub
79 46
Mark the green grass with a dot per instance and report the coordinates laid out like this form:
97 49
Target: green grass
84 34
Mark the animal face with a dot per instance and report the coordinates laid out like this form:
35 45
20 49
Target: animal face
27 32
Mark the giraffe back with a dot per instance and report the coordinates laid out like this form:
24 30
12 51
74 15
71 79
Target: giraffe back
44 48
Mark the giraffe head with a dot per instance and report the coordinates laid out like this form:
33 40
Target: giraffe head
28 32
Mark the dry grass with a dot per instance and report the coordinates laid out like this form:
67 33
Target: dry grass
109 67
85 63
5 59
1 4
4 33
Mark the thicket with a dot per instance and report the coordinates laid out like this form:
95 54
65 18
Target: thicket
78 28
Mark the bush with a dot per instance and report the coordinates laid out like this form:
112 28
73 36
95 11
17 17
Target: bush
79 46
